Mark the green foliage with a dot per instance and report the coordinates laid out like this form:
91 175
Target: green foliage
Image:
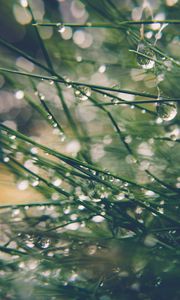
105 161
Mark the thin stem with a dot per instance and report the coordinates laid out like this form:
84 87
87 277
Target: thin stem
107 25
74 83
137 102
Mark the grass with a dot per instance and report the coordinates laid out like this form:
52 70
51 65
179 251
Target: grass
101 153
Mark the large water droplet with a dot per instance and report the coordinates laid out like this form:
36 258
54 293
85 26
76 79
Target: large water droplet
145 62
167 110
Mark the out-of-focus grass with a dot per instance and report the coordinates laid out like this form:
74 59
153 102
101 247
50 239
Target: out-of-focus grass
92 208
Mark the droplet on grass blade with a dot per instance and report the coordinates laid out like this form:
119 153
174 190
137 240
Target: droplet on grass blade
28 239
24 3
12 137
145 62
51 82
43 242
98 219
166 110
83 93
61 27
35 182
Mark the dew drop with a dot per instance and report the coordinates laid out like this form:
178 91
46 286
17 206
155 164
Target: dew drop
6 159
143 111
73 226
61 27
55 125
62 137
22 185
114 101
56 182
102 69
43 242
19 95
166 111
34 150
35 182
83 93
150 240
42 97
24 3
98 219
145 62
79 58
28 240
12 137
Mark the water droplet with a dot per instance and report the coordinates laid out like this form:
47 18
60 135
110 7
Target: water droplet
120 196
28 240
79 58
56 182
23 185
34 150
43 242
61 27
19 95
168 65
161 210
12 137
69 86
62 137
115 101
6 159
24 3
73 226
42 97
150 240
158 282
145 62
102 69
89 24
55 125
166 111
83 93
35 182
98 219
143 111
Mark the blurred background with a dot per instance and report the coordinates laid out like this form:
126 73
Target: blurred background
97 56
109 248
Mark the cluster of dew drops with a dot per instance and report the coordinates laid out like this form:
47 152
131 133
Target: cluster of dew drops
166 111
